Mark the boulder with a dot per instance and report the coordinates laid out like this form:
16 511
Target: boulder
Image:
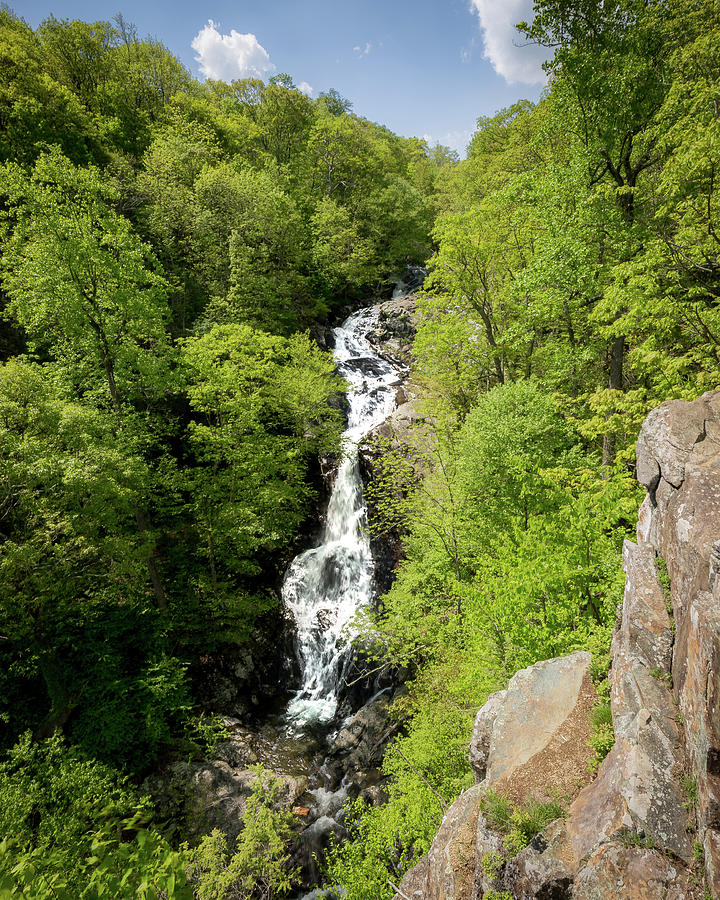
633 873
482 734
212 793
393 334
537 731
529 739
646 629
413 885
487 842
360 743
544 869
638 789
679 463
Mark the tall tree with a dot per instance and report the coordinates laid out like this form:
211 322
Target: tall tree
87 291
610 66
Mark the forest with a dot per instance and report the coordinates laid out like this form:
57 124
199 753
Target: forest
169 250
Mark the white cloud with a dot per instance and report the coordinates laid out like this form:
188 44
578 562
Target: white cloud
505 47
362 52
229 56
305 88
455 140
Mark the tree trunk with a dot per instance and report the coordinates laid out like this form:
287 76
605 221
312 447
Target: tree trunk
615 383
61 704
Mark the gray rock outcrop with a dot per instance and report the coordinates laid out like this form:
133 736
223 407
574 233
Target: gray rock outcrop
648 826
679 465
529 735
213 792
392 339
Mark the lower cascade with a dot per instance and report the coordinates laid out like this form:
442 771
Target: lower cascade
324 587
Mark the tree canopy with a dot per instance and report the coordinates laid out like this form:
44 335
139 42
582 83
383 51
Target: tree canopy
171 254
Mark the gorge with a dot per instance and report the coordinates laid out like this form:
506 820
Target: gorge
521 716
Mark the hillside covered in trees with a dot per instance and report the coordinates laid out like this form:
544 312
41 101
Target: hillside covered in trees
169 248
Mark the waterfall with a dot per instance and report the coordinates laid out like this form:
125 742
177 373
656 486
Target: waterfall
325 586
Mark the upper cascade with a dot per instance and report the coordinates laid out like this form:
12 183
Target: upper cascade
324 587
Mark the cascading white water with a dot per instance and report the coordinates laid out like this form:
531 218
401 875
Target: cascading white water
325 587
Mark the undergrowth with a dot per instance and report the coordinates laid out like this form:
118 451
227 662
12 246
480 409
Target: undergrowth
519 824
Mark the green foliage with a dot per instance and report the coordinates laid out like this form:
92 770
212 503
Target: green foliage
492 863
258 865
77 829
81 283
689 785
662 675
637 839
498 811
163 243
75 609
602 738
261 409
519 824
384 842
664 579
601 715
529 822
51 791
699 853
574 265
144 866
205 731
133 719
144 498
341 256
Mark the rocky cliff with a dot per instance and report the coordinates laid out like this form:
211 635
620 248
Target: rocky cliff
648 826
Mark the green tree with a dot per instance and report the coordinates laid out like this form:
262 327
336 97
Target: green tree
261 406
87 291
63 815
258 866
269 284
610 66
37 111
341 256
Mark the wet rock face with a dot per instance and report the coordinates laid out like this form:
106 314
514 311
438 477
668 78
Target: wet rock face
395 330
633 832
391 339
241 681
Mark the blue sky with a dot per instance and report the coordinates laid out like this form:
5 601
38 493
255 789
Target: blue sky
427 67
